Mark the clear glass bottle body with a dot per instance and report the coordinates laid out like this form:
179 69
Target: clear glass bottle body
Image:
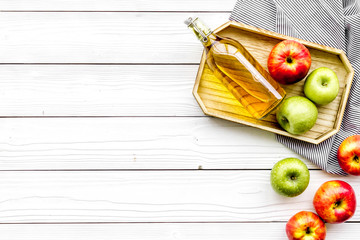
238 70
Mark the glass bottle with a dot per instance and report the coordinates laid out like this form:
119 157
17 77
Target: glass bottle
243 76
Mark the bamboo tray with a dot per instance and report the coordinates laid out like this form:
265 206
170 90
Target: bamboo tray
215 100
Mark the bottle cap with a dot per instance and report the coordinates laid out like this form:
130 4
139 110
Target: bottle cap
188 21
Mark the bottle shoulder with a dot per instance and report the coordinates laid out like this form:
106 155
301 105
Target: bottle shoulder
219 40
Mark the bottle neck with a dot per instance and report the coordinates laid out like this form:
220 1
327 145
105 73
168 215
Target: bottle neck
201 31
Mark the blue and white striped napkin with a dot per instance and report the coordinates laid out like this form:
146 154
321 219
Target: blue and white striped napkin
335 23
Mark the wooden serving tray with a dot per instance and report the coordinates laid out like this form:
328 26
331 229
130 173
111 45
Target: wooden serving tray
215 100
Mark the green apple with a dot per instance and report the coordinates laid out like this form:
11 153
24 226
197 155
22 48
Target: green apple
297 115
290 177
321 86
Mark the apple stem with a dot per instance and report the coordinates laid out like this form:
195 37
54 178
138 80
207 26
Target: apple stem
337 203
308 230
289 59
356 158
284 119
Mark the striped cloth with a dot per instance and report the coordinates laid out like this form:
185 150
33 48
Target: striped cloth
333 23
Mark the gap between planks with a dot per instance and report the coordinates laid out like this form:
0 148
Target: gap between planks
104 11
163 231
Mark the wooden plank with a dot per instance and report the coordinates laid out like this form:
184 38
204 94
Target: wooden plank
164 231
150 196
115 5
135 143
106 90
100 37
98 90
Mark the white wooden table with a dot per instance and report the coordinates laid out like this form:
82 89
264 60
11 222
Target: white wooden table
101 138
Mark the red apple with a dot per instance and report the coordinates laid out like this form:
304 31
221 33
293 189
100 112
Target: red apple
305 226
349 155
289 62
335 201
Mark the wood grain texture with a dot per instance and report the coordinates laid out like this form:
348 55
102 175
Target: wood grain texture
150 196
164 231
135 143
100 37
116 5
216 100
98 90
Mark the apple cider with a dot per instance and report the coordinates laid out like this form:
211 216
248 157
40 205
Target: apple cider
243 76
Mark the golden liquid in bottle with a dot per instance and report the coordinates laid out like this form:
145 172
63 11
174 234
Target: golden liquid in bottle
244 77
